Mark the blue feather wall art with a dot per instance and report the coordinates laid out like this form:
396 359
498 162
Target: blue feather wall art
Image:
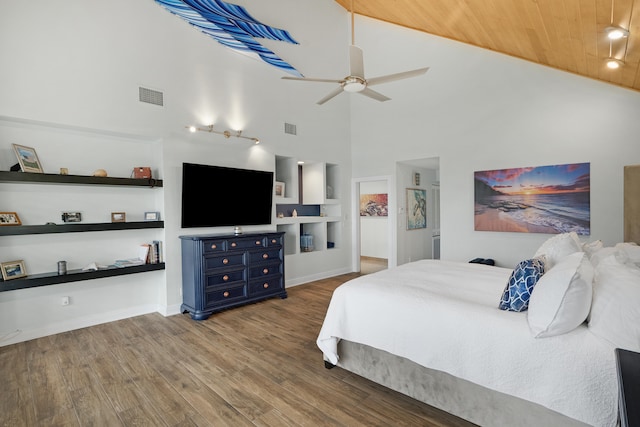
232 26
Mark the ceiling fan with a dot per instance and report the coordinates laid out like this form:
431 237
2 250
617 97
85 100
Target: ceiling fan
355 82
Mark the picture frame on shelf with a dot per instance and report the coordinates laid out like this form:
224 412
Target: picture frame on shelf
279 188
118 217
71 217
13 270
28 159
152 216
9 218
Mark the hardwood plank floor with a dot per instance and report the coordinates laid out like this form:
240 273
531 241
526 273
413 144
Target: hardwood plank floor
256 365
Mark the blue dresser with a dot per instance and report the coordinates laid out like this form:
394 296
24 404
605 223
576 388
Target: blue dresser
225 271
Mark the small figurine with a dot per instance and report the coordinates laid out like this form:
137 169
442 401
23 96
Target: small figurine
294 213
100 172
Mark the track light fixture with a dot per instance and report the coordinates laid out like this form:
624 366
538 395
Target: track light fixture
615 33
226 133
613 63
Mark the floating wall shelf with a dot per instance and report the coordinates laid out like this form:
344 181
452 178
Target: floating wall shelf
44 279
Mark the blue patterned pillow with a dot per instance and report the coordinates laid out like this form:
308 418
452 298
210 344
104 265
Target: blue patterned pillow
520 285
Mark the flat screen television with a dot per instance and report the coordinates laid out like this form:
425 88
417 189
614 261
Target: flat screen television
216 196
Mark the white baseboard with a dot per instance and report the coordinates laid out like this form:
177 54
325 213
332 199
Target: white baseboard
77 323
318 276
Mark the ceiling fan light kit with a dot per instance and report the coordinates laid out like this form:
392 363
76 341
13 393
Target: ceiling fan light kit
356 82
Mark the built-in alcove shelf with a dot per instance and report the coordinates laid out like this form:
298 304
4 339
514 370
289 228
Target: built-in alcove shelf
50 178
44 279
20 230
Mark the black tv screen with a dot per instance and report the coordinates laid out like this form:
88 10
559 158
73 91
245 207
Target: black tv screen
215 196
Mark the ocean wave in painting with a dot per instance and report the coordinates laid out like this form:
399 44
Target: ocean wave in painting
561 212
232 26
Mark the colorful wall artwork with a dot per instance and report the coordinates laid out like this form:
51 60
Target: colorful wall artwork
543 199
374 204
232 26
416 208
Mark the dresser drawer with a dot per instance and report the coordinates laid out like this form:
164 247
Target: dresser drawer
245 243
225 277
228 260
273 241
265 270
265 255
211 246
273 284
222 295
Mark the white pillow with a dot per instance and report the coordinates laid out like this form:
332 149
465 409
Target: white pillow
631 252
615 310
558 247
561 299
592 247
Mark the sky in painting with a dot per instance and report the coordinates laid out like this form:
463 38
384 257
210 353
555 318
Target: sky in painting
558 179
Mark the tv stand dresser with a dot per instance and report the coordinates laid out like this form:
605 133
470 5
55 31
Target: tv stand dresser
228 270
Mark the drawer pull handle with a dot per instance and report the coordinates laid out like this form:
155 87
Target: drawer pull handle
225 294
258 242
225 261
265 256
265 271
265 285
273 240
214 246
234 244
225 277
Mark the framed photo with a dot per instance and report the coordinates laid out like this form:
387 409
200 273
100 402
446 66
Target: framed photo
118 217
13 270
416 208
152 216
279 189
71 217
9 218
27 158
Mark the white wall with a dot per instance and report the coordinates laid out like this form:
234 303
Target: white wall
479 110
78 64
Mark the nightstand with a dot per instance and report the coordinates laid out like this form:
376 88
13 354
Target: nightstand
628 366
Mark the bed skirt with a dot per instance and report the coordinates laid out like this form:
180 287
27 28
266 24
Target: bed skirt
456 396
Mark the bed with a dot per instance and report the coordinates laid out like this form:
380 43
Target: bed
432 329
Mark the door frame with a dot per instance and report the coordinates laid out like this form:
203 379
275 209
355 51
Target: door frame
391 220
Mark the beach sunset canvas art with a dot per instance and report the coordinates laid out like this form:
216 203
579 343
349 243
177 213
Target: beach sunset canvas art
542 199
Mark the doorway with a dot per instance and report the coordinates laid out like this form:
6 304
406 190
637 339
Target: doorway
373 231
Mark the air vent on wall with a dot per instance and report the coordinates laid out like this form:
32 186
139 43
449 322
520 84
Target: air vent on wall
290 129
151 96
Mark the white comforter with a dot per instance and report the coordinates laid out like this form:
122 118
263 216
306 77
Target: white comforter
444 315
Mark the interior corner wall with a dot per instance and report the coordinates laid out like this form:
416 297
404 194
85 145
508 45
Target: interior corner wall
479 110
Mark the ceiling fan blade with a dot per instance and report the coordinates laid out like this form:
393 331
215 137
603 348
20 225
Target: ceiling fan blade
397 76
332 94
309 79
356 62
373 94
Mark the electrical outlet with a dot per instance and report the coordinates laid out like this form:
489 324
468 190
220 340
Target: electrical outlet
66 301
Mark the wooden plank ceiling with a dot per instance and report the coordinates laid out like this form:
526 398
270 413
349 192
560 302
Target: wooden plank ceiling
568 35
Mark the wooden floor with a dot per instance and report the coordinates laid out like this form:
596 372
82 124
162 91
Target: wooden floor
256 365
